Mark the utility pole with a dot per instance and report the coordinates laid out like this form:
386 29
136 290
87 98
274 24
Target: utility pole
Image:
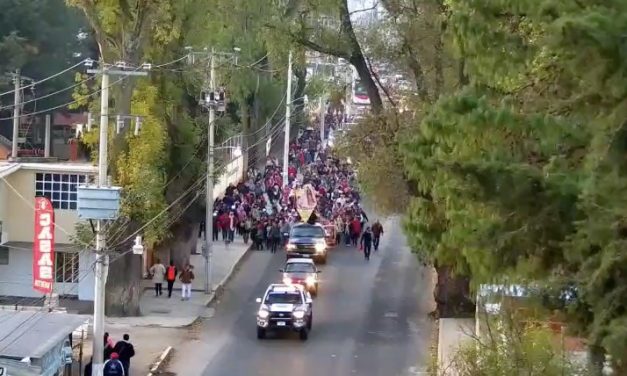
288 115
211 100
210 172
102 259
17 80
323 113
101 269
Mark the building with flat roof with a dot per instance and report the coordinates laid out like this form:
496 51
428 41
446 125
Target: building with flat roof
36 342
20 183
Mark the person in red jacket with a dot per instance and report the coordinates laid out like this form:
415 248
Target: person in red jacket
223 223
355 230
291 172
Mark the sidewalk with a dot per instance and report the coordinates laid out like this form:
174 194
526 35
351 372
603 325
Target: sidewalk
172 312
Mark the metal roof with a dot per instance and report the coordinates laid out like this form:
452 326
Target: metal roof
34 333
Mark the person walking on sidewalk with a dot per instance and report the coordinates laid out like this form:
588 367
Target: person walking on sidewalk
377 231
215 235
232 226
223 223
125 351
170 277
157 271
186 277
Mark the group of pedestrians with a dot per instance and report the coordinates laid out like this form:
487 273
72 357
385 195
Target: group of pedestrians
117 357
261 209
160 274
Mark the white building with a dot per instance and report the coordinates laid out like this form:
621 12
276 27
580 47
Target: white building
20 183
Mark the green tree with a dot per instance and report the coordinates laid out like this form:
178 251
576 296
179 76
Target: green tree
325 26
163 168
518 176
40 38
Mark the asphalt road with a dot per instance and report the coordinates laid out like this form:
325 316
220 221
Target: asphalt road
370 318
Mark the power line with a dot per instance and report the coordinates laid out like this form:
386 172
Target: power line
87 95
68 103
171 221
278 128
49 94
272 133
46 79
32 206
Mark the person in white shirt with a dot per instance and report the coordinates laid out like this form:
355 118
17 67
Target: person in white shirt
157 271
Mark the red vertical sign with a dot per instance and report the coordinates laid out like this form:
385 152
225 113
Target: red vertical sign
43 246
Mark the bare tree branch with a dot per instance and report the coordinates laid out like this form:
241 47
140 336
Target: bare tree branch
376 77
376 4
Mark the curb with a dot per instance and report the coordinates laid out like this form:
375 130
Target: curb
220 287
163 358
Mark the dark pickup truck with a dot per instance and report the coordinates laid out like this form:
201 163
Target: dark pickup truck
308 241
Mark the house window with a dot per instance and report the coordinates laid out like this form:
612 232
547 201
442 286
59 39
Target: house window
60 189
66 267
4 255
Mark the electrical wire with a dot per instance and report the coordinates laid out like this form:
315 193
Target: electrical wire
49 94
272 133
135 233
201 143
45 79
68 103
115 237
90 94
30 318
32 206
87 272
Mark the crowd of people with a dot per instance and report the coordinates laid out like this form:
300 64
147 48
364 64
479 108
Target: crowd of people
261 211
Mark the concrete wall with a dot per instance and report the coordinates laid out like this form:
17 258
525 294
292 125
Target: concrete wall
17 216
232 175
16 279
452 333
20 228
